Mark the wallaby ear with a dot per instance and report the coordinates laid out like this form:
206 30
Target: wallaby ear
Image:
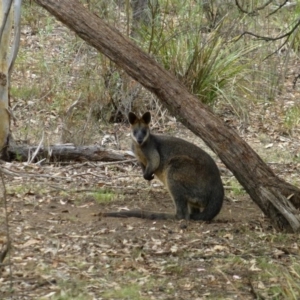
146 117
132 118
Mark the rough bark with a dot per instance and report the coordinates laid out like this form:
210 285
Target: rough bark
276 198
10 15
65 152
5 35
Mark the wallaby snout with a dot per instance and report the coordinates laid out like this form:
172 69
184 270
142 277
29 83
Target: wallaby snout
140 141
139 128
140 138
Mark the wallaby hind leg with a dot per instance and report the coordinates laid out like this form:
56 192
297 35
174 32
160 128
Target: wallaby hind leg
179 196
181 205
186 189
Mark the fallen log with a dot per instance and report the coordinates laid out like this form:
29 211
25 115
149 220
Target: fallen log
65 152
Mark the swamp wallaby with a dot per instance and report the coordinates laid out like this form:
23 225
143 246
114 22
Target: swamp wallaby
189 173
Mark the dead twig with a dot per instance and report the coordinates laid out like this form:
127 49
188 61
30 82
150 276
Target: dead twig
268 38
19 174
254 11
31 159
278 8
118 162
5 249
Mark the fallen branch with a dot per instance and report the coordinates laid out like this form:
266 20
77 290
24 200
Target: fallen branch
65 152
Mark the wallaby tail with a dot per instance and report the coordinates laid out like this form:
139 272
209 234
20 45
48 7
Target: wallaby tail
213 207
142 214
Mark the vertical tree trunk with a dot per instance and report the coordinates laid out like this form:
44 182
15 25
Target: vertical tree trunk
6 26
277 199
9 18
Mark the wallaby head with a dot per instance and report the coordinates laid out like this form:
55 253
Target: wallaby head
139 127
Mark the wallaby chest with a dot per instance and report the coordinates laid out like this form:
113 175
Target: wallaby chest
148 155
140 155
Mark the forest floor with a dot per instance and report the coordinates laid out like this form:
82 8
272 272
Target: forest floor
62 248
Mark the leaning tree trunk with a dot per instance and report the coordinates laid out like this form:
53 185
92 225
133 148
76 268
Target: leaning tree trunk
277 198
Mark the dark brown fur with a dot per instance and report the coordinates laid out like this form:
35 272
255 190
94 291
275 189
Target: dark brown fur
189 173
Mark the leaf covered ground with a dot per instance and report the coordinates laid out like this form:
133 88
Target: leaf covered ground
62 248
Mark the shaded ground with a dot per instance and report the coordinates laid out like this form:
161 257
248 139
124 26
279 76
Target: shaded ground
63 249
